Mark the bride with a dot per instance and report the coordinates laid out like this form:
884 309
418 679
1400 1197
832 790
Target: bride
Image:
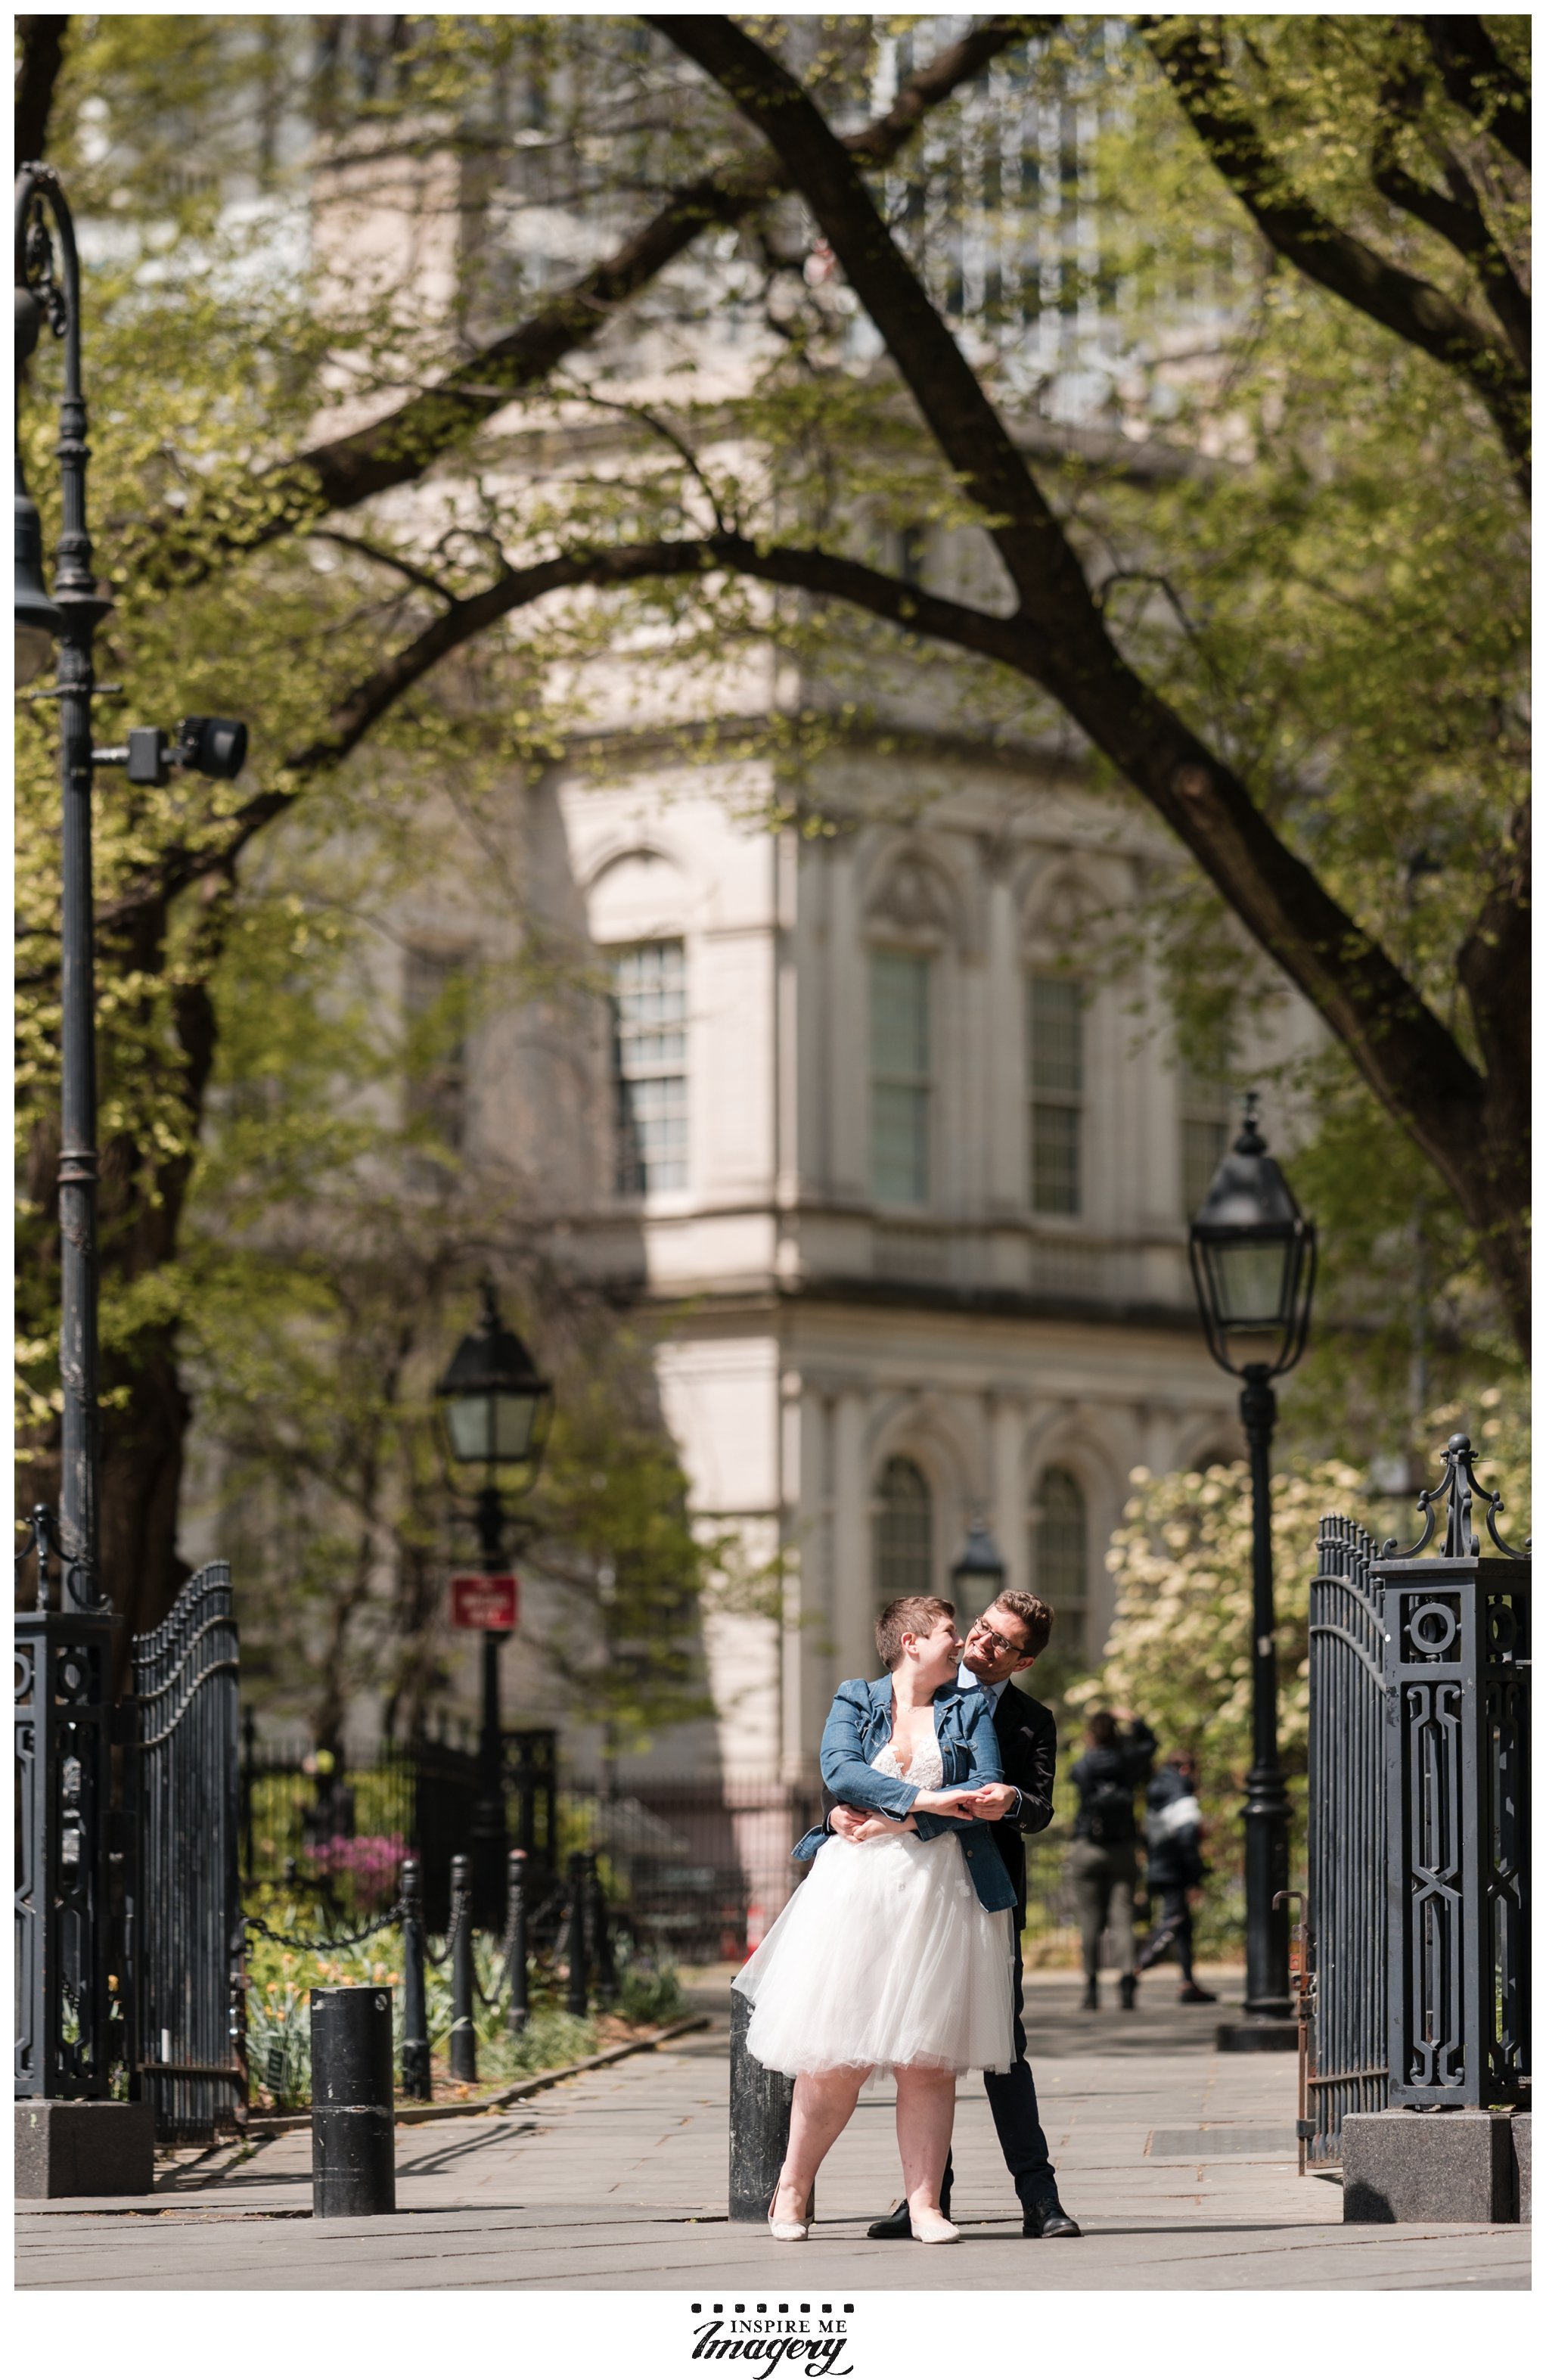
896 1950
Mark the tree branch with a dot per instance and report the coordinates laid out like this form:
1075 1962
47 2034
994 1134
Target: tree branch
1351 269
1416 1067
1478 81
356 712
1455 214
40 41
343 472
388 561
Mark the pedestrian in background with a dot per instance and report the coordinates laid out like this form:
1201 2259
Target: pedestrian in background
1102 1857
1173 1840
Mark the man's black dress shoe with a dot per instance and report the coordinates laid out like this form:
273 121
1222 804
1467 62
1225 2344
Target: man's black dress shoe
897 2224
1049 2222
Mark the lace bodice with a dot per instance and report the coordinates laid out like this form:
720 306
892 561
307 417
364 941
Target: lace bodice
927 1771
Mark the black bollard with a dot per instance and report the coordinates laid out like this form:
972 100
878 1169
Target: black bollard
462 2057
576 2000
515 1934
415 2022
759 2111
352 2115
600 1938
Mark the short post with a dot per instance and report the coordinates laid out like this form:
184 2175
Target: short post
463 2059
515 1934
577 1998
601 1937
760 2102
416 2025
352 2114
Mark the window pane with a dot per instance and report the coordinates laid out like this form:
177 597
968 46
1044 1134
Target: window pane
1054 1048
899 1143
1054 1159
1057 1036
899 1078
1060 1549
903 1531
898 1013
650 1066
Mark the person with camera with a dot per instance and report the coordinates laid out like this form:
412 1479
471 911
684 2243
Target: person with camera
1103 1858
1172 1839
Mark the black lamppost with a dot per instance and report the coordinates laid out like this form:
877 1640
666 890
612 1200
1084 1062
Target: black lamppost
977 1573
1253 1263
64 1657
494 1409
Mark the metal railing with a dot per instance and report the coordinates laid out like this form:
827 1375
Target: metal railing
1347 2073
695 1866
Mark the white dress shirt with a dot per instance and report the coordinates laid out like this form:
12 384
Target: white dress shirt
965 1677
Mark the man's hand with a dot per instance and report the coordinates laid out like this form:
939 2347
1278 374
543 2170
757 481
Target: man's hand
994 1801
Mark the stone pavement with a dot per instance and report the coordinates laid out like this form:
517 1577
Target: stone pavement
1178 2162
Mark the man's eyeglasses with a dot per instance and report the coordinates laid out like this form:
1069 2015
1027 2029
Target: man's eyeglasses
987 1636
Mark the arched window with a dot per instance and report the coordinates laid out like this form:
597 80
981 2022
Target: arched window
903 1531
1060 1553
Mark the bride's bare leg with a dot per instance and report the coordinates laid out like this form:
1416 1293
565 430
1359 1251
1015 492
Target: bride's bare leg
925 2117
823 2103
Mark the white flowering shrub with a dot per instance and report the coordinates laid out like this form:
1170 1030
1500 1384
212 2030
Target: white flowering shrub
1179 1652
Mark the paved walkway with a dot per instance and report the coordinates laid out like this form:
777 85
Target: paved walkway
1178 2162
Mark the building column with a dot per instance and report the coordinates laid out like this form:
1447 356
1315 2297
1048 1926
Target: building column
1006 1487
852 1582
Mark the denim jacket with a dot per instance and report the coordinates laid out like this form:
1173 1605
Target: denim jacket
859 1725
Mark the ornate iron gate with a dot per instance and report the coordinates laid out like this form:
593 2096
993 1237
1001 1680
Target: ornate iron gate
184 1920
1458 1663
1346 1917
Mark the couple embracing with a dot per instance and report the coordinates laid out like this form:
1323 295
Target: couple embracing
901 1949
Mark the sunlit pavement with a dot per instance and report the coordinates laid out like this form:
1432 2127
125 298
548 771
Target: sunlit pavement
1178 2161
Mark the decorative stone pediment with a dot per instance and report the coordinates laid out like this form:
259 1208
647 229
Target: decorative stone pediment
910 895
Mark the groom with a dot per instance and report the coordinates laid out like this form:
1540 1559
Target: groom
1005 1640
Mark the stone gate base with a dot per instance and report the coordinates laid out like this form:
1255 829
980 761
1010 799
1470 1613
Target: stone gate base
1460 2164
85 2148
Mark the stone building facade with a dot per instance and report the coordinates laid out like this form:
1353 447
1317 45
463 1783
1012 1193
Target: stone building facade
899 1167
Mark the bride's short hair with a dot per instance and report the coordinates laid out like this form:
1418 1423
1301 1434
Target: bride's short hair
911 1615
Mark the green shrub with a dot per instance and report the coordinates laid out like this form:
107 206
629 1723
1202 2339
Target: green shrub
651 1996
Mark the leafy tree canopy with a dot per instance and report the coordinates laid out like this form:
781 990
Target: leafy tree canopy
1253 551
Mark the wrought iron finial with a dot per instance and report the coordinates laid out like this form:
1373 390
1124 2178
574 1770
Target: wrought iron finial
1250 1143
1458 1486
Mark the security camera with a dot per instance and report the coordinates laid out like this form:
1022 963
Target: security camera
216 747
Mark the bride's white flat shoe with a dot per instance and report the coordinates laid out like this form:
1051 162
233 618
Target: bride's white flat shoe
785 2230
935 2230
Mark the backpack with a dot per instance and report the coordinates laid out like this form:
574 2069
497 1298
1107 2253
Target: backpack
1108 1812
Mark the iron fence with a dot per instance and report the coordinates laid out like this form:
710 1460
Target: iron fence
183 1951
1418 1902
694 1867
1348 2072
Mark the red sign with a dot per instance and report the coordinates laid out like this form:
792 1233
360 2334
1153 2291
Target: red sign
480 1601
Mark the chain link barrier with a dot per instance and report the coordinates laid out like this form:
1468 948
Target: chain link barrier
460 1914
392 1916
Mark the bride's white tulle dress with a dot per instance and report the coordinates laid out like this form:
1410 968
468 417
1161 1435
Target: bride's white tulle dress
884 1956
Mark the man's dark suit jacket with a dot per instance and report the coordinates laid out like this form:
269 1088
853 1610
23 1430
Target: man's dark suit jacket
1027 1736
